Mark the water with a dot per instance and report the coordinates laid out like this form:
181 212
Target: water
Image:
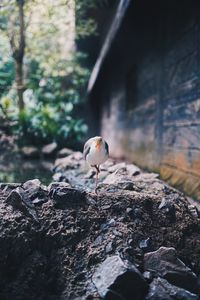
16 169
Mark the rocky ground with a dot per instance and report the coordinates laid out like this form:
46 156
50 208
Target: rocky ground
137 239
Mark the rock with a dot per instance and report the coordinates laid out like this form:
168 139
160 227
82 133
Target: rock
78 231
121 172
129 211
57 176
108 188
75 182
98 241
117 167
39 201
165 263
147 177
134 213
109 163
117 177
9 186
72 161
105 226
47 165
64 152
161 289
103 175
133 170
54 185
137 213
112 222
18 200
116 277
168 208
90 200
145 245
147 275
35 190
33 184
49 150
193 210
117 233
30 152
109 247
126 185
67 196
158 186
90 174
77 155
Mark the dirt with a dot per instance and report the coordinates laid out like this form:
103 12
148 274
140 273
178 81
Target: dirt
55 256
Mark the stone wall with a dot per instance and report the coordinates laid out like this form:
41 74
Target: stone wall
150 92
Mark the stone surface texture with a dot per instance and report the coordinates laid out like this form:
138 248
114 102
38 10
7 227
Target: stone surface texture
58 241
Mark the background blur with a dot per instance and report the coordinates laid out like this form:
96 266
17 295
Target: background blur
43 70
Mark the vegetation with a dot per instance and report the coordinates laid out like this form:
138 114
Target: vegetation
42 78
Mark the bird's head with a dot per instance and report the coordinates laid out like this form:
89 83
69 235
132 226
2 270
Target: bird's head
98 142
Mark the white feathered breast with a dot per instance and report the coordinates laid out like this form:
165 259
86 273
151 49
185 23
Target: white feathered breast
97 155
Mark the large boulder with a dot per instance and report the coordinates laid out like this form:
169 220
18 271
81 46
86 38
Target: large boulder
66 242
117 278
165 263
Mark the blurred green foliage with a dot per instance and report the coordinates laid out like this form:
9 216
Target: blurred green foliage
55 78
7 71
50 104
53 117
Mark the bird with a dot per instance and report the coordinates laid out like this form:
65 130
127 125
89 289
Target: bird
96 152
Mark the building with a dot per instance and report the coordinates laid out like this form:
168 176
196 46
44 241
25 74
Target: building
144 90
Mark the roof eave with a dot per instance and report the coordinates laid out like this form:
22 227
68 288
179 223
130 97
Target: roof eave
121 10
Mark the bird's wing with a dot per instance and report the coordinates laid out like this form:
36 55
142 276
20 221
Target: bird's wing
107 148
86 149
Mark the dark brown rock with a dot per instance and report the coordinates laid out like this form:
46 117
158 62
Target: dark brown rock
78 230
115 277
168 207
35 191
66 196
33 185
19 201
161 289
165 263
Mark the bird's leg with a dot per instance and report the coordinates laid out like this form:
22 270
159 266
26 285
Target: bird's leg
97 176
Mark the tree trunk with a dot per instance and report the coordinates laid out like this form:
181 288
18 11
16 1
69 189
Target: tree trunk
20 58
18 48
19 84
